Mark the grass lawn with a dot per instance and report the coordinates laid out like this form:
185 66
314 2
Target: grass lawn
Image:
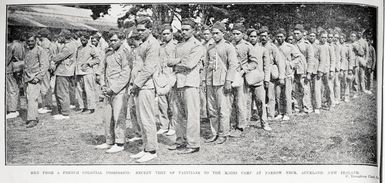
347 134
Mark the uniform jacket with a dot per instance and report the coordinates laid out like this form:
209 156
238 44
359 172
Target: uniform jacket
263 61
203 71
324 58
372 61
293 57
36 64
365 46
16 52
148 51
307 50
86 56
316 50
222 63
337 52
115 70
347 57
332 56
358 51
167 52
65 60
187 64
276 59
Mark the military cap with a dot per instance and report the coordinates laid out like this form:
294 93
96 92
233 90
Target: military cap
313 31
66 34
299 27
239 27
166 26
44 32
263 29
205 27
251 30
280 31
188 21
220 26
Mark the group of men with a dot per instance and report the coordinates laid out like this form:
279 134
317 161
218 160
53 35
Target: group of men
175 82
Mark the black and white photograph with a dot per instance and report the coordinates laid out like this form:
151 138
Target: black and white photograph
192 83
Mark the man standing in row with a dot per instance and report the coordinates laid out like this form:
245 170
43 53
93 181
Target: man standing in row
189 56
221 68
86 59
64 64
143 87
36 67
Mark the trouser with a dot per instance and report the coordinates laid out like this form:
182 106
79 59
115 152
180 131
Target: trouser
271 98
85 85
46 91
188 125
259 97
202 95
369 74
359 79
62 89
72 91
12 95
345 84
337 86
145 108
131 116
317 83
114 116
167 109
219 107
33 92
329 89
283 96
302 92
241 94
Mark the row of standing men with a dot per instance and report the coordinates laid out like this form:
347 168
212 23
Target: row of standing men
185 76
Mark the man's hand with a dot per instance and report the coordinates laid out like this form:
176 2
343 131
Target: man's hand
134 89
281 81
320 74
84 67
97 79
331 75
227 87
35 81
308 76
266 84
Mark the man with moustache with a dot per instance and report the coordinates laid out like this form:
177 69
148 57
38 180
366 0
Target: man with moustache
316 81
346 59
36 66
326 69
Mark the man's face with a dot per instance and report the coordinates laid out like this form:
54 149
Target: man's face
353 37
342 39
330 38
187 31
167 35
253 38
94 41
297 35
323 38
336 38
280 38
83 40
290 39
115 42
31 42
312 37
263 38
143 31
207 35
237 35
359 34
217 34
